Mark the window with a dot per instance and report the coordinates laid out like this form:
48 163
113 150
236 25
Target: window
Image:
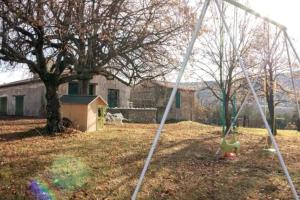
73 88
3 105
178 99
113 98
92 89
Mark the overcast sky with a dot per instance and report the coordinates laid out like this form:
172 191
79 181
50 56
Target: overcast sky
285 12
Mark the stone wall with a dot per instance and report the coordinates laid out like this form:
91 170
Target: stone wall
149 94
187 107
34 94
33 98
102 86
144 96
140 115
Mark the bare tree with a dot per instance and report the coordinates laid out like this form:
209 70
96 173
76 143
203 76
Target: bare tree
75 39
271 49
217 61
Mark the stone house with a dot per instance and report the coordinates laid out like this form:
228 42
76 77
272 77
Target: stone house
155 94
27 97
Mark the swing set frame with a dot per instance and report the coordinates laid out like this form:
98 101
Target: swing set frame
198 26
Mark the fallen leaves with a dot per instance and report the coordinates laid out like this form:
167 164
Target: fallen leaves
183 166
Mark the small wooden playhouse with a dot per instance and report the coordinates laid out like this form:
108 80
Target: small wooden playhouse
87 113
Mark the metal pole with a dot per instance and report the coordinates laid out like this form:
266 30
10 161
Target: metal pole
247 95
296 54
170 102
223 112
237 115
253 12
234 111
291 44
292 76
241 63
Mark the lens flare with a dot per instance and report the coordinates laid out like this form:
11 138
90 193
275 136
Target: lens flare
69 172
40 191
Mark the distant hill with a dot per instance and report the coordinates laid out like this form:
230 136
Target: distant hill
205 96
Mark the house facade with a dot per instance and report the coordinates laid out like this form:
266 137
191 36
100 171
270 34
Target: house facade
27 97
155 94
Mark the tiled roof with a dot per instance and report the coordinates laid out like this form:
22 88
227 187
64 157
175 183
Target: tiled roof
21 82
172 85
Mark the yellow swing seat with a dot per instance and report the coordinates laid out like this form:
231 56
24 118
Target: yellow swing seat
228 146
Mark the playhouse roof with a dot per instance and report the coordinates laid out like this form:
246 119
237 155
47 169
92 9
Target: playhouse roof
77 99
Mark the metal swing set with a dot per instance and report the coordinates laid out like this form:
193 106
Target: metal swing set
198 26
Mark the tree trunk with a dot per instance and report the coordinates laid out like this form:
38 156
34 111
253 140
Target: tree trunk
298 124
272 124
227 114
244 121
54 120
84 87
272 121
271 108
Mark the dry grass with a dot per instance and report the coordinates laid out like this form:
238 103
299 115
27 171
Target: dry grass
106 164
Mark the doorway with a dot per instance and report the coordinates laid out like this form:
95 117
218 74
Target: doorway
19 105
3 105
113 98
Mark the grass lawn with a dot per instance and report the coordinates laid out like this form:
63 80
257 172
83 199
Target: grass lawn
106 164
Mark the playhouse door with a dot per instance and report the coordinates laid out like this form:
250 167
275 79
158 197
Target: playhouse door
100 118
